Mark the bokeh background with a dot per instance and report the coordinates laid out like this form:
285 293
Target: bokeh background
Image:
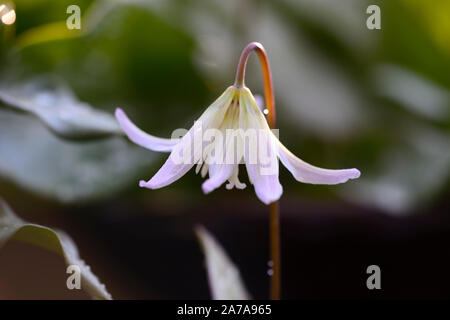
346 96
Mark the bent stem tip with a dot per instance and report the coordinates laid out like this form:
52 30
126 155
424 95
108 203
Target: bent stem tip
274 225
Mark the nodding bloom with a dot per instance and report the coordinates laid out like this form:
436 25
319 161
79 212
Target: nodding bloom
230 131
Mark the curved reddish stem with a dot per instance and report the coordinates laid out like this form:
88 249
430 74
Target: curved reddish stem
274 228
267 76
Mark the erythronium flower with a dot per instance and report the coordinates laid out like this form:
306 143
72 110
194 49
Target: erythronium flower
248 139
235 110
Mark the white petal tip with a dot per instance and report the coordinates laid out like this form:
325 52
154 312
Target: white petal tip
149 184
344 176
119 113
269 201
206 188
143 184
348 174
268 198
355 173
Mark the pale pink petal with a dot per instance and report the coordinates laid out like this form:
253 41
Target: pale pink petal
169 172
188 151
141 138
259 101
263 176
306 173
218 175
267 187
182 158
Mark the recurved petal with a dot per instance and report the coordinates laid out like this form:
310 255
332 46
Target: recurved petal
218 175
263 173
188 151
182 158
169 172
307 173
267 187
141 138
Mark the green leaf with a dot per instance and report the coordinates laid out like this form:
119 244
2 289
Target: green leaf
413 92
410 174
224 279
135 59
59 109
14 228
35 159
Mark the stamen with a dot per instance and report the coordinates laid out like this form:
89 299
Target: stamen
198 167
204 170
234 180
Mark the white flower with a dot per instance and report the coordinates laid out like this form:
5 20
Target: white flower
221 139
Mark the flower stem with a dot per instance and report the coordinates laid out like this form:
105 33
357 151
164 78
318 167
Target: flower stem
274 225
275 283
267 76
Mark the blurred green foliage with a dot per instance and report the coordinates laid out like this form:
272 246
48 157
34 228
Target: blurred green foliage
346 96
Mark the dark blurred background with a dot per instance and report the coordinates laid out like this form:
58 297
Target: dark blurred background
346 96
